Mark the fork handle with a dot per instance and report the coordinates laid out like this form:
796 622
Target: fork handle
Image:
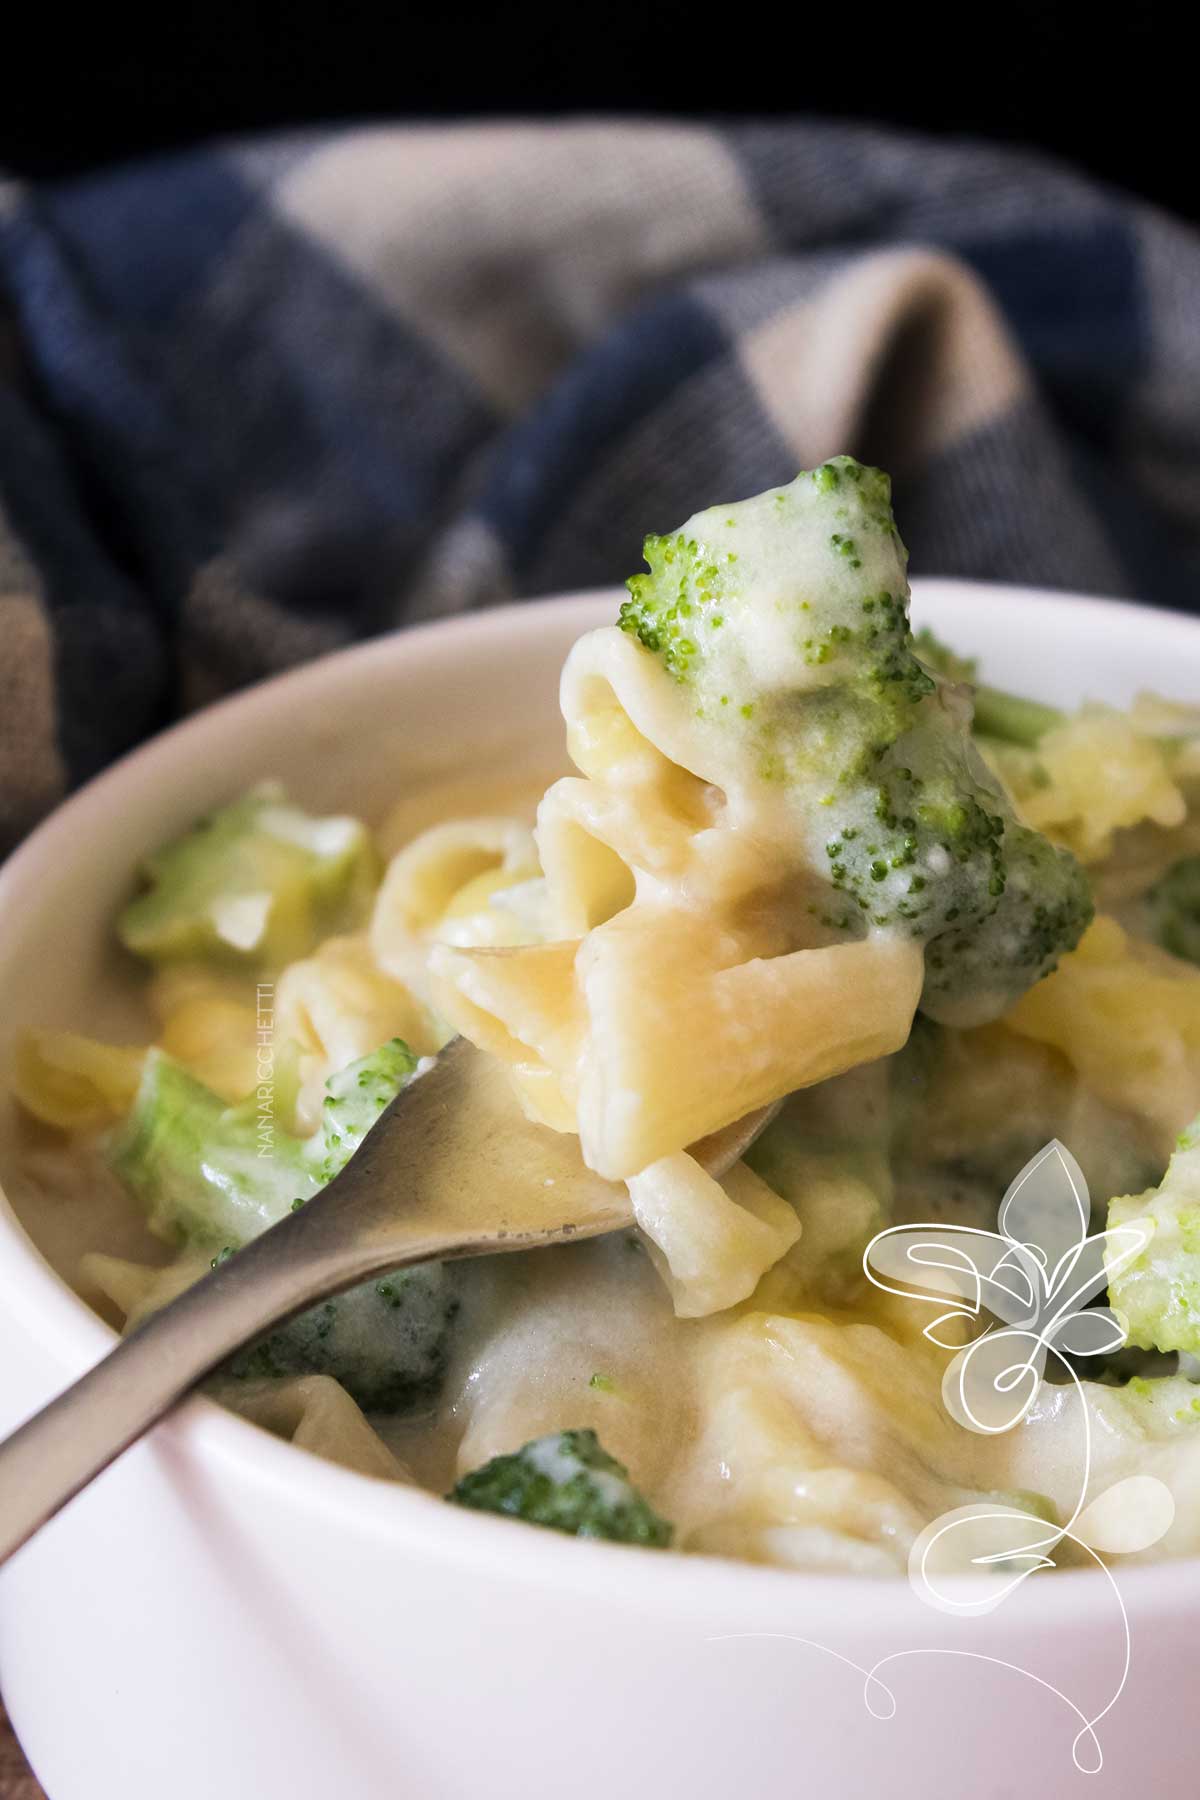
60 1449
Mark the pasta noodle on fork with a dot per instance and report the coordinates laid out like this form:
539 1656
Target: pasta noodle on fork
780 842
681 994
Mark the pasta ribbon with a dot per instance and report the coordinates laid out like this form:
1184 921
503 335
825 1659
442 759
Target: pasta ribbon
687 979
338 1006
1127 1018
74 1083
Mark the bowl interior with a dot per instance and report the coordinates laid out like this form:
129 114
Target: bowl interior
453 718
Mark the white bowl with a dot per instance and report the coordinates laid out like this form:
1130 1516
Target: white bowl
223 1617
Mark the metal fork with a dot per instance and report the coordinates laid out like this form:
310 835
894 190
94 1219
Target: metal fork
451 1168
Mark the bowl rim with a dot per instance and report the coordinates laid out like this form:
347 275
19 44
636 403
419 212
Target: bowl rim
407 1518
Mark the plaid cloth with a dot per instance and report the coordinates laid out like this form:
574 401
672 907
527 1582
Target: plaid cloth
259 400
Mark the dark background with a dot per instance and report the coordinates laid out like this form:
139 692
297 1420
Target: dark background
1114 91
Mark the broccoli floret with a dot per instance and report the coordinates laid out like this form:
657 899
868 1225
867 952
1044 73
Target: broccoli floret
565 1481
1157 1294
385 1341
354 1099
786 616
1007 926
1010 718
1173 909
257 884
215 1176
698 608
212 1174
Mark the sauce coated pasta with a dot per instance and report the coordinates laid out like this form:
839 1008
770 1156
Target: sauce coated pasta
804 858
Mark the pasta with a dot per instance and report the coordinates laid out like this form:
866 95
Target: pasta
1127 1016
337 1006
1094 776
73 1082
789 865
675 997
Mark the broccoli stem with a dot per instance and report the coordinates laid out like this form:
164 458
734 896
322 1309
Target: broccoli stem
1012 719
1001 717
1006 718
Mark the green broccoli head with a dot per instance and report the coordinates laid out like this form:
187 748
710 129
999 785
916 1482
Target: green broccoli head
799 589
1157 1294
565 1481
385 1341
1173 907
1008 930
214 1176
354 1099
786 616
256 884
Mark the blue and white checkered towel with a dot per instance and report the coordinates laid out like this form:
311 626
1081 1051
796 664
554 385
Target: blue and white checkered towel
256 401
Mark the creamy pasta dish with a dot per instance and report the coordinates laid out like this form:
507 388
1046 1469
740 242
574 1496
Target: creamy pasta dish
807 858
